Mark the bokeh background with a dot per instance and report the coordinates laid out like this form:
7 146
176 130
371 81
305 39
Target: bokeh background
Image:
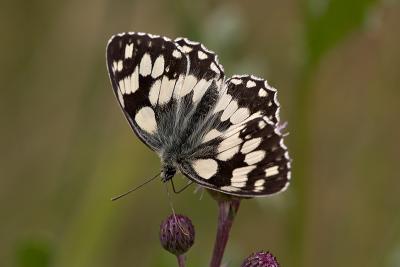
66 147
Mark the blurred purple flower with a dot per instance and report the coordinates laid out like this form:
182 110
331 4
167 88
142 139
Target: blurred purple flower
177 234
261 259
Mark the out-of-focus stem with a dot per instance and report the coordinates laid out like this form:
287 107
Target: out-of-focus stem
181 260
227 209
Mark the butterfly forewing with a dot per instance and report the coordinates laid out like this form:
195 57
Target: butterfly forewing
145 70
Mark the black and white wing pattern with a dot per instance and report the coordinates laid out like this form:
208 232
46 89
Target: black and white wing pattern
145 70
163 86
248 157
222 134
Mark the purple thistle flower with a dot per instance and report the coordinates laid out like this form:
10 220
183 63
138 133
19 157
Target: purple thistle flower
177 234
261 259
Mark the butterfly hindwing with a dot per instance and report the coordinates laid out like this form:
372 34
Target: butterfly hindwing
248 156
255 94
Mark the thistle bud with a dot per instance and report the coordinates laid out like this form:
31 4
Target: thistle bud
177 234
261 259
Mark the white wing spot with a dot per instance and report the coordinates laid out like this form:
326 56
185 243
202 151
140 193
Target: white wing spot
114 66
250 145
146 119
253 116
186 49
259 182
211 135
262 93
121 85
201 55
145 65
242 170
127 83
261 124
200 88
188 84
254 157
176 54
178 86
128 51
271 171
158 67
134 83
119 65
230 142
238 184
268 120
239 176
233 129
238 179
215 68
154 92
236 81
222 103
229 188
205 168
228 154
230 109
240 115
250 84
167 88
258 188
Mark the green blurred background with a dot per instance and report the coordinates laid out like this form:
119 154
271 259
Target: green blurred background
66 147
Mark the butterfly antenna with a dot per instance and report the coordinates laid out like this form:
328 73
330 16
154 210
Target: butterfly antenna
135 188
184 231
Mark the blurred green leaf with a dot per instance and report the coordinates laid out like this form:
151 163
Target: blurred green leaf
329 21
33 253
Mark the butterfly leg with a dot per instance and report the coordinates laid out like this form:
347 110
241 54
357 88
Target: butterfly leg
182 189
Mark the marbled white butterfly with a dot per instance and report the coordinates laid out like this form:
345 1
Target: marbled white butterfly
222 133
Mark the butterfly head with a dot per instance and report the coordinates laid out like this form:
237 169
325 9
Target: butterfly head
168 171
